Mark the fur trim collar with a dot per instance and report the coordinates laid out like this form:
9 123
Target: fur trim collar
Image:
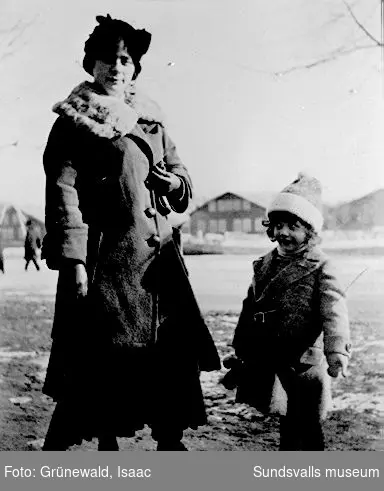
104 115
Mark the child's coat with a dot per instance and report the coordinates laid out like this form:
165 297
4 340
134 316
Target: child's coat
305 316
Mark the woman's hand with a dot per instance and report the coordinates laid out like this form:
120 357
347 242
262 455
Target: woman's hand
164 182
337 364
81 280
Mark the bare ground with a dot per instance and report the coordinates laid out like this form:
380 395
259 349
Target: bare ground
356 423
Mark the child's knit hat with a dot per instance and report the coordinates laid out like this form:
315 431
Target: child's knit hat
301 198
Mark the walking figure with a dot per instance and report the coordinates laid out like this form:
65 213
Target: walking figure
1 258
32 244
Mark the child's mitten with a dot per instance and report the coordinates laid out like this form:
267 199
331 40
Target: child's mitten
231 379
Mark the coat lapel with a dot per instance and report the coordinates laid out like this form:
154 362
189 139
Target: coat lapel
139 137
261 271
293 272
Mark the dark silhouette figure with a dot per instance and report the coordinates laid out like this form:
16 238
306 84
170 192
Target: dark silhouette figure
1 259
32 244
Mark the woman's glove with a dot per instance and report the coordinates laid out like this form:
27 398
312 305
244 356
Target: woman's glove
81 280
162 181
338 363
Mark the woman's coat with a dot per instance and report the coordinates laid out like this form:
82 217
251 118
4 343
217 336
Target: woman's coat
138 335
287 324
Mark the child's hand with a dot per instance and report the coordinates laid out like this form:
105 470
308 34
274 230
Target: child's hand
337 363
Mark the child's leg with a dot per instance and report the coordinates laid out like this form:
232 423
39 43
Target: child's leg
306 391
289 434
290 424
312 434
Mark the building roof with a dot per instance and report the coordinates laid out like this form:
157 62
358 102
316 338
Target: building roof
366 211
261 199
34 213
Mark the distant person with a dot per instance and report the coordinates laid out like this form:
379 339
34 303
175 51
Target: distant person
32 244
129 340
2 259
293 327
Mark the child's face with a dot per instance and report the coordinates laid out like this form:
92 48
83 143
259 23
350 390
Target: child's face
290 233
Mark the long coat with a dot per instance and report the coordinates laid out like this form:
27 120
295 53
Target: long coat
1 259
130 352
288 325
32 243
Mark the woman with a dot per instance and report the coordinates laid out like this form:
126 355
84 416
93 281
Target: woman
128 337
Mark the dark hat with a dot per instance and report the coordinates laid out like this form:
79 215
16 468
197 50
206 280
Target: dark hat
105 37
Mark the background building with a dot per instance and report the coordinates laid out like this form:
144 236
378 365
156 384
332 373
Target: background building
228 212
12 225
365 213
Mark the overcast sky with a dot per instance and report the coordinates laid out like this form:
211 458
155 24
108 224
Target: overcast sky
242 120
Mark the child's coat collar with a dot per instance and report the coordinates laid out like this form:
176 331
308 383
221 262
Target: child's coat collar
294 271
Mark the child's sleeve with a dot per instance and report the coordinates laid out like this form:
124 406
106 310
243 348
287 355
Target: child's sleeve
333 312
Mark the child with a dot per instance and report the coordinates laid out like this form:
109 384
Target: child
293 323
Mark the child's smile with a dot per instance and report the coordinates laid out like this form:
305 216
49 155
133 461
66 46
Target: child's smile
290 235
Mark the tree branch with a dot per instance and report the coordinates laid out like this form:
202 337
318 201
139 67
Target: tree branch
328 59
16 33
360 25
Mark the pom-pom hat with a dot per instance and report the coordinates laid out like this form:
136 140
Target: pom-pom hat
301 198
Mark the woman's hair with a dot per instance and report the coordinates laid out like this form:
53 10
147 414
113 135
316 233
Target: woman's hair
107 35
275 217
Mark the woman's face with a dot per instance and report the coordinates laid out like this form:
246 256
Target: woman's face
290 234
114 70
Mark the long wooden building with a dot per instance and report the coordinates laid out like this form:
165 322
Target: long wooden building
228 212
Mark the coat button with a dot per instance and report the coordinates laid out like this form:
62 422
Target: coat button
150 212
153 241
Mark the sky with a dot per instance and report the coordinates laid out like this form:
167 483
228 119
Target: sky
244 114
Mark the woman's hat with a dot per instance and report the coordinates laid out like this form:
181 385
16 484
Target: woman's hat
106 35
301 198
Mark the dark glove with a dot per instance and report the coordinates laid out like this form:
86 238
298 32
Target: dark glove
162 181
231 379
